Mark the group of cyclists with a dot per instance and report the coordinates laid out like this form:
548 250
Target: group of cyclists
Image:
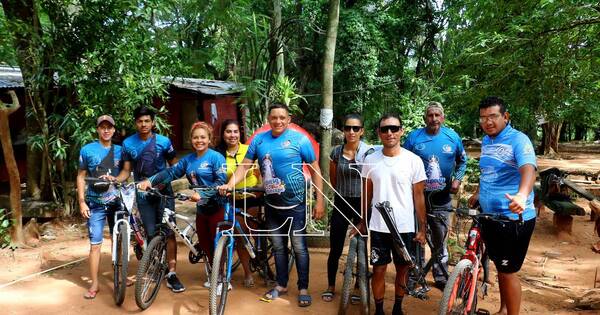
415 177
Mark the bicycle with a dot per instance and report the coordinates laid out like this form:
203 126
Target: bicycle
460 294
414 282
153 265
125 224
222 265
357 256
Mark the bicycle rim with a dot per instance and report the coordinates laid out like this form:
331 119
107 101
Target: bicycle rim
455 299
120 265
151 272
218 277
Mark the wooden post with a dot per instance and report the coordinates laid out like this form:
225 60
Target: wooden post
13 170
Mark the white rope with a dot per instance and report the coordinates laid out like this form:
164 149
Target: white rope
41 272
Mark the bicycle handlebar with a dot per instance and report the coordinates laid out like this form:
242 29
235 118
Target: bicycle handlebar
476 214
240 190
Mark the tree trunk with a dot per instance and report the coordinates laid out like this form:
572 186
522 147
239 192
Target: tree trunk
13 170
277 43
327 89
551 135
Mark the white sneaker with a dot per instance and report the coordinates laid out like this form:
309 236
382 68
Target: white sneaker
220 288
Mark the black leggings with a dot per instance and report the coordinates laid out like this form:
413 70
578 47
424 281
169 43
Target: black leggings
338 231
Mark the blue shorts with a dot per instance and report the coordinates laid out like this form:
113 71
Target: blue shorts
99 213
151 211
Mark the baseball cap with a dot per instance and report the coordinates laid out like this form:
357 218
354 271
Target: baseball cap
104 118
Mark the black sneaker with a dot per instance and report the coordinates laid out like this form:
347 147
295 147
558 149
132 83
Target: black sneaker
440 285
173 283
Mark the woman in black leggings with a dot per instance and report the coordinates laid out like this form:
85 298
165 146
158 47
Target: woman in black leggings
344 170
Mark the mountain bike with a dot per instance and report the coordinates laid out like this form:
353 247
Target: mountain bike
356 271
125 224
153 266
460 294
414 282
259 249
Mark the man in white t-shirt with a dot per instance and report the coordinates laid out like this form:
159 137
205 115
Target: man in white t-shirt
396 175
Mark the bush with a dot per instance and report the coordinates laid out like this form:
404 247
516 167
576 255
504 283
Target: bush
5 223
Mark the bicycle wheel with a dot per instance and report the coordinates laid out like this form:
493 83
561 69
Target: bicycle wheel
456 294
120 265
151 272
363 278
219 284
348 286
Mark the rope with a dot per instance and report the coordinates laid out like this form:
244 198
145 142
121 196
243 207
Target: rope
41 272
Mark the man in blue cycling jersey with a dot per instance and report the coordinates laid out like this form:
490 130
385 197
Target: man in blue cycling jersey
280 153
147 153
441 150
508 166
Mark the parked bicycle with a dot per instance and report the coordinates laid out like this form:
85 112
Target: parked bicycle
460 294
414 282
153 266
125 224
356 274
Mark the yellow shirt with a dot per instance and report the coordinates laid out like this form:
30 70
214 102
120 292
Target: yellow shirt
232 162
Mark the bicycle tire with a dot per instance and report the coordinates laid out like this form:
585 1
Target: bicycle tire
347 286
458 287
217 302
363 281
120 265
151 271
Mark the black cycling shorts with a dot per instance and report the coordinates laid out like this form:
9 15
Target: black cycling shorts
507 243
382 248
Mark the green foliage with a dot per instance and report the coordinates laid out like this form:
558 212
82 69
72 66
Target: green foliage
284 91
5 224
473 172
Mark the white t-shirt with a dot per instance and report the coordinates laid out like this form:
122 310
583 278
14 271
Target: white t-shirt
393 179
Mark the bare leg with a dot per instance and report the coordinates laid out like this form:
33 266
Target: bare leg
94 263
245 259
172 253
378 283
510 293
400 287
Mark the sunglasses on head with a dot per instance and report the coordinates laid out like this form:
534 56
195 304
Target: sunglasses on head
392 128
353 128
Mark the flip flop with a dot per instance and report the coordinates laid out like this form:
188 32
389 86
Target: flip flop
272 294
304 300
327 296
91 294
354 299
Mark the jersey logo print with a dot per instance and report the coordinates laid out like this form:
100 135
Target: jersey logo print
504 262
501 152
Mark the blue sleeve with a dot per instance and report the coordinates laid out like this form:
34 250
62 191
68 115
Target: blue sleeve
219 169
523 151
408 143
169 174
306 150
83 163
126 155
461 159
251 153
168 150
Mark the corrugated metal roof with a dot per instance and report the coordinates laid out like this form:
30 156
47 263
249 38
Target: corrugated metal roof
10 78
208 87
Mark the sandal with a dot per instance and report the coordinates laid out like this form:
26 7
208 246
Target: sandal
272 294
91 294
327 296
304 300
354 299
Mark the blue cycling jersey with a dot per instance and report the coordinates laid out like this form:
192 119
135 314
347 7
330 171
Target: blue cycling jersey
90 158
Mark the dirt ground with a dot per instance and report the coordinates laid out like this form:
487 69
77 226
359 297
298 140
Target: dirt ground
553 275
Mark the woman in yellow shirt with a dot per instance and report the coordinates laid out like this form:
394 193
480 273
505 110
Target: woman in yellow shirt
234 153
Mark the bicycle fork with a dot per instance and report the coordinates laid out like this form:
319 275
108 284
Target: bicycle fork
114 239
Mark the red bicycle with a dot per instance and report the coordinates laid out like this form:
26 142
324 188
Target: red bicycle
460 294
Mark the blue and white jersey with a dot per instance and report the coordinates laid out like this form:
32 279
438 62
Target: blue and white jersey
90 159
280 159
501 158
205 170
145 157
443 155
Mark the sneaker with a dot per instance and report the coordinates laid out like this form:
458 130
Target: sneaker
173 283
206 284
440 285
220 288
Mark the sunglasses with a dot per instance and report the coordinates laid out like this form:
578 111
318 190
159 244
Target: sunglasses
353 128
392 128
